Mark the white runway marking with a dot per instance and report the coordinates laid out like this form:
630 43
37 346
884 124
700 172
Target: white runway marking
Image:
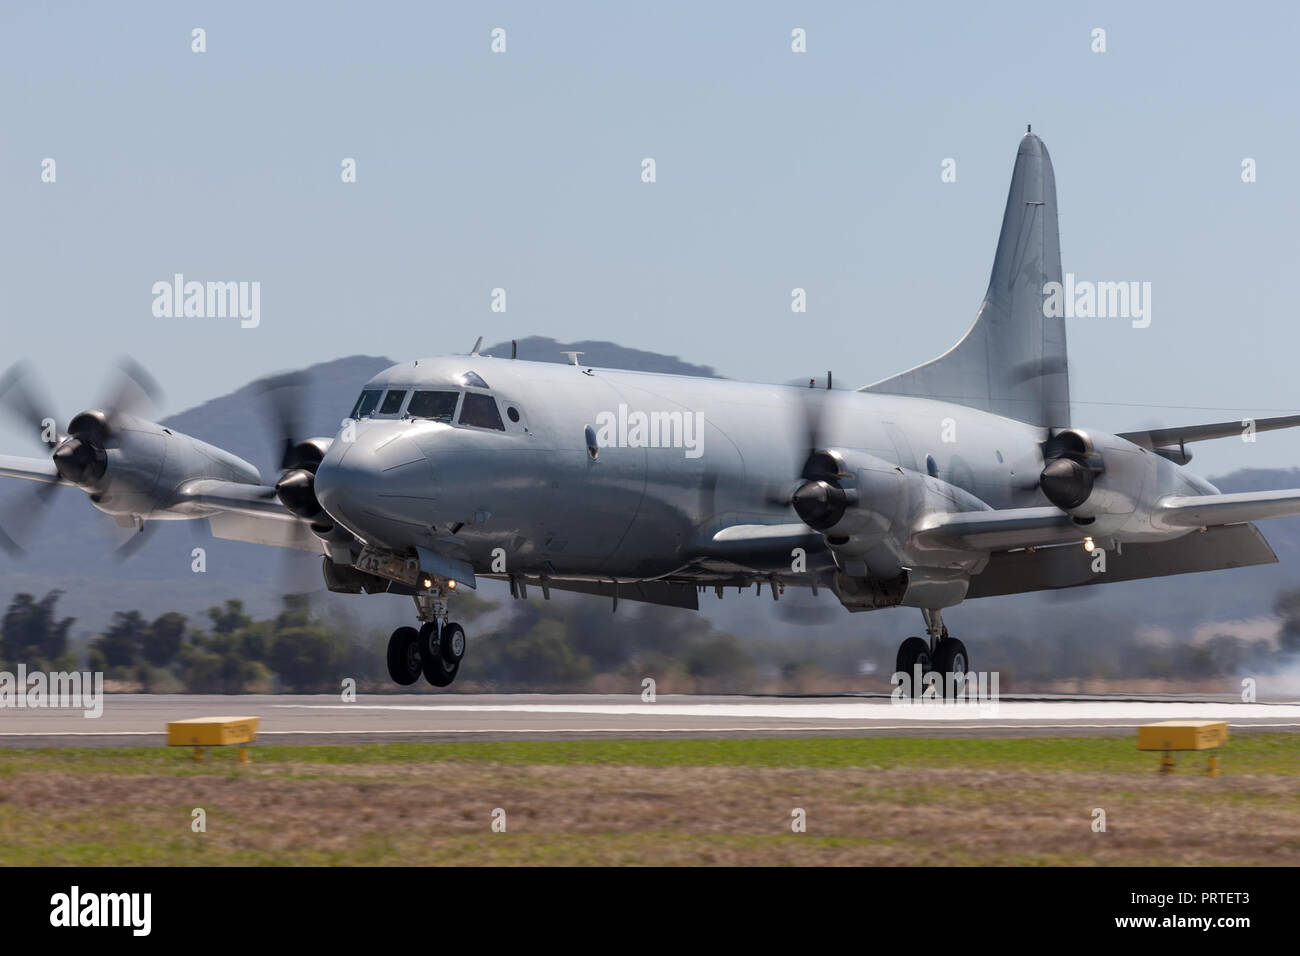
424 731
869 712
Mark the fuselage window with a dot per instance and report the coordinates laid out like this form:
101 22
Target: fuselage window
366 403
512 413
481 412
439 406
473 380
392 401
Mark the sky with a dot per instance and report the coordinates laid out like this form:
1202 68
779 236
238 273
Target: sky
774 170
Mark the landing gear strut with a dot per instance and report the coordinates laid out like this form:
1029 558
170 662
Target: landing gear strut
435 650
940 654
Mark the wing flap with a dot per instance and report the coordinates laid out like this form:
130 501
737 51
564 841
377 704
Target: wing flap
1227 546
250 513
276 531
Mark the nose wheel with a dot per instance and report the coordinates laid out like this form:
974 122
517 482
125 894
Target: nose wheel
404 660
441 651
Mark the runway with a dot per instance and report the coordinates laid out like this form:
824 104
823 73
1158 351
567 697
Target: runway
138 719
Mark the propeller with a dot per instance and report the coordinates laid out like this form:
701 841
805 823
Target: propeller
818 498
26 404
79 455
132 545
285 398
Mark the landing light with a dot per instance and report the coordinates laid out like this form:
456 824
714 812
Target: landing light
426 583
1088 545
451 585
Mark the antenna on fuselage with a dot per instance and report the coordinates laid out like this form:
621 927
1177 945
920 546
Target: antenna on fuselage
828 378
474 351
573 357
514 349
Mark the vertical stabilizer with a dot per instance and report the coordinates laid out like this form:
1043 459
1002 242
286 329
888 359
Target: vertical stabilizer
1012 360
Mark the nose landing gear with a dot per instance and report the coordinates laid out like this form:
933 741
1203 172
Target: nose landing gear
435 650
441 650
404 656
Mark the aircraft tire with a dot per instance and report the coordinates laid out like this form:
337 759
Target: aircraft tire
912 651
453 643
951 657
438 671
404 658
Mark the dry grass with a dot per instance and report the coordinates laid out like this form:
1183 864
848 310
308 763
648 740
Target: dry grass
310 812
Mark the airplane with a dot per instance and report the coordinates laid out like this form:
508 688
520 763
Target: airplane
962 478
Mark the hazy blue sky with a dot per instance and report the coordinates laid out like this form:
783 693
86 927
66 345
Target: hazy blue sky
775 170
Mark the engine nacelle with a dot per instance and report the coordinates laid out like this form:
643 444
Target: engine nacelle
850 494
132 467
1097 478
296 488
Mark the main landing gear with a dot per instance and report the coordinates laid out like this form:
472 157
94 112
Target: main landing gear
941 655
435 650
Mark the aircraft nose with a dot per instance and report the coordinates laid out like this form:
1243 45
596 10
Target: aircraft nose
377 483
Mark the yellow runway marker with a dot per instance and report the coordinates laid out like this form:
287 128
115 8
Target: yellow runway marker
200 732
1171 735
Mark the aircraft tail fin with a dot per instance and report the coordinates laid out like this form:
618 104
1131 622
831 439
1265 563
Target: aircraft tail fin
1012 360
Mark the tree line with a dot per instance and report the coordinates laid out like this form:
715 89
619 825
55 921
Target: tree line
573 644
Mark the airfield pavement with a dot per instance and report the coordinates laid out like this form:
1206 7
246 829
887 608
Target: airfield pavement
140 719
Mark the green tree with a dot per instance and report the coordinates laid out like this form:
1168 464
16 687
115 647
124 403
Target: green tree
162 642
31 631
305 655
307 658
121 643
229 618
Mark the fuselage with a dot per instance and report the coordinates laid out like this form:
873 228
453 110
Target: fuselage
676 460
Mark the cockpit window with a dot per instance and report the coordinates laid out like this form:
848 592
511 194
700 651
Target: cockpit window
366 403
473 380
439 406
392 401
481 411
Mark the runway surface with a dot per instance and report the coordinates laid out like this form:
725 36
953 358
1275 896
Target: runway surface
138 719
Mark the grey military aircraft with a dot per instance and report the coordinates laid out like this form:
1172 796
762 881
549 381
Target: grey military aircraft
964 477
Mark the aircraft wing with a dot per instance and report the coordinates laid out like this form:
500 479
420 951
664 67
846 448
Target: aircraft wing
29 469
1205 511
252 500
251 513
999 530
1173 437
1041 527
